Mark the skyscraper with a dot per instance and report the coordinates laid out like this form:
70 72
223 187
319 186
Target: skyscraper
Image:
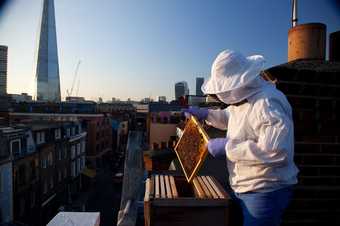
199 83
3 70
47 72
181 89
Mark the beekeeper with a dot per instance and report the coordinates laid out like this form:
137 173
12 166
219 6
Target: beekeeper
259 145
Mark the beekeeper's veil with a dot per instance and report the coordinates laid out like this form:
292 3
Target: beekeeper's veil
235 77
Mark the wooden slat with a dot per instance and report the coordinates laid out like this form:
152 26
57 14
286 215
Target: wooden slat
163 195
211 189
173 187
217 190
157 186
147 190
183 202
198 188
167 187
225 194
152 187
204 187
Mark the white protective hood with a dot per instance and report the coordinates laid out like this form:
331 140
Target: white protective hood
231 70
238 95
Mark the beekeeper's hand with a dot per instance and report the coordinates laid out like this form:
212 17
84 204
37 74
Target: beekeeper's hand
200 113
216 147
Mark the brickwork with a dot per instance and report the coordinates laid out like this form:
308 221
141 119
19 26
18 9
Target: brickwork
313 89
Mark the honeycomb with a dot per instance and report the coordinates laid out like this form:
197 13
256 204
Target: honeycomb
191 148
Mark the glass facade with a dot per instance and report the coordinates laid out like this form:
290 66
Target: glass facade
47 71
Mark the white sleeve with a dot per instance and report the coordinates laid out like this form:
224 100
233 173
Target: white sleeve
274 128
218 118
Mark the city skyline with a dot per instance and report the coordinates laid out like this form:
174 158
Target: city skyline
147 48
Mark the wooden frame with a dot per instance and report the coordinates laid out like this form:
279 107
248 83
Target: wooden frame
192 122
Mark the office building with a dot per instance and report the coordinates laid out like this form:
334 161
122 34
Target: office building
3 69
199 83
162 99
47 71
181 89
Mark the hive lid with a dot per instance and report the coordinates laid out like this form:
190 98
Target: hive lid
191 149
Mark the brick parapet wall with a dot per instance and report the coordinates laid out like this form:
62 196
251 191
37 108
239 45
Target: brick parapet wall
313 90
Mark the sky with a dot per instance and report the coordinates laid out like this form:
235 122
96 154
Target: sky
141 48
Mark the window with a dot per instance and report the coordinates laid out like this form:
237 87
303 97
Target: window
40 137
73 152
68 132
78 166
51 183
57 134
82 146
50 159
15 147
73 169
59 153
45 187
65 172
34 170
78 149
1 182
82 162
59 176
65 153
21 176
73 131
44 163
32 199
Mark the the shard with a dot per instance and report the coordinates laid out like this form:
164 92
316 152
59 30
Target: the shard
47 70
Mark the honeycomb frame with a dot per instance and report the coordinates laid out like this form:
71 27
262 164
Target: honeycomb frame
191 149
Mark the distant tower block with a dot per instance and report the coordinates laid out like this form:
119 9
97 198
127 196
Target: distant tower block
307 41
3 69
47 72
199 83
334 46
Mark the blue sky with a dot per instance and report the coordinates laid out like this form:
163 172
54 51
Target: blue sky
140 48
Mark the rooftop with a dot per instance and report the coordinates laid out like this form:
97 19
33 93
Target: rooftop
76 219
310 65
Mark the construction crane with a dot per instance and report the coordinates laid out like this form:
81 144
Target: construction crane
69 92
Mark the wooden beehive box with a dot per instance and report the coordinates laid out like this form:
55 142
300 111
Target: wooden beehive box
169 200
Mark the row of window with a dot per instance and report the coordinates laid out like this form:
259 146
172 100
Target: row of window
77 166
77 149
40 136
61 153
45 162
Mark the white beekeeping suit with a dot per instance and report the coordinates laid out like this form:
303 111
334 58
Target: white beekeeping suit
260 133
